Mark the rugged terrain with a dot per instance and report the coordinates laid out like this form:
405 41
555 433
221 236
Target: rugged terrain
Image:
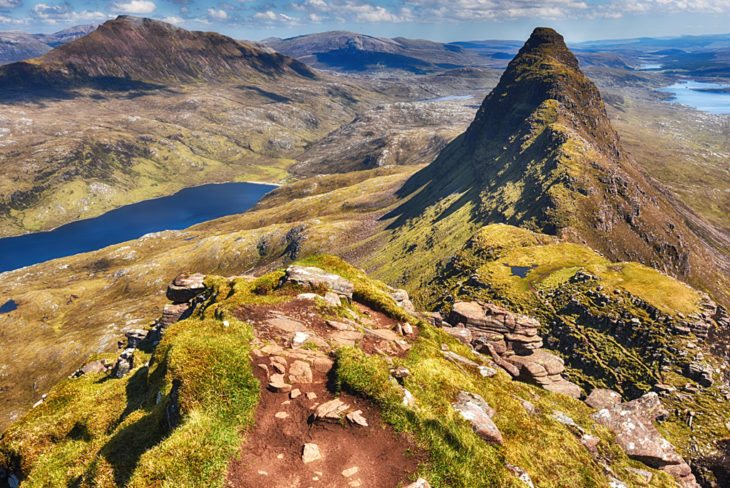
19 46
531 308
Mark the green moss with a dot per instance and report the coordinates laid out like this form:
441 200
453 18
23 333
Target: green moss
457 457
99 431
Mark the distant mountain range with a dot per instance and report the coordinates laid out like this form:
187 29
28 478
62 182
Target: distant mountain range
18 46
111 55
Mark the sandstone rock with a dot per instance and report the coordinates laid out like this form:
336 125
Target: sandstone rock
310 453
419 483
322 364
700 372
285 324
350 471
635 432
564 387
185 287
300 372
539 363
317 278
172 313
478 413
403 300
356 418
337 325
281 415
135 337
91 367
468 313
332 299
408 399
332 410
124 363
278 384
462 334
299 338
295 393
433 318
603 398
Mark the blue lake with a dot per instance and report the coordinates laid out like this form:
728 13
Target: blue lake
187 207
708 97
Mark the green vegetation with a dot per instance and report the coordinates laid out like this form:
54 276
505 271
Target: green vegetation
547 450
99 431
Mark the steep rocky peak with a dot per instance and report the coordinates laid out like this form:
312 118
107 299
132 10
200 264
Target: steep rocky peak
544 72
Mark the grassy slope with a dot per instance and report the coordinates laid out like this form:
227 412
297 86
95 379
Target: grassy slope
97 432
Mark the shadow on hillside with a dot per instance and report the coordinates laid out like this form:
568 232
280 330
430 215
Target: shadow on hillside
124 450
13 90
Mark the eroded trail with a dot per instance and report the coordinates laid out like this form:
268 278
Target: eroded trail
305 435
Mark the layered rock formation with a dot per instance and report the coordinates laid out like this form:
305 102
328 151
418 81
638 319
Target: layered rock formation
513 339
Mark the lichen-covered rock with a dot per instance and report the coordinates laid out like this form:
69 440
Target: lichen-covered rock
478 413
172 313
312 277
185 287
402 300
603 398
632 423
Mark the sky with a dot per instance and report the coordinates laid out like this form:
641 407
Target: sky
439 20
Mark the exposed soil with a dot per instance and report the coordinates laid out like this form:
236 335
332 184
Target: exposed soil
272 454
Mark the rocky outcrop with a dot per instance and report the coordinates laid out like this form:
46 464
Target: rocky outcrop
633 424
475 410
316 278
513 342
185 287
603 398
124 363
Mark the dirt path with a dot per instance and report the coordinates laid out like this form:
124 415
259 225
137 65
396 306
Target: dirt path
349 455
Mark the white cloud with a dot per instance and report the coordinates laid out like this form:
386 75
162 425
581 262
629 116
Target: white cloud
4 19
217 14
8 4
135 7
63 13
271 17
173 20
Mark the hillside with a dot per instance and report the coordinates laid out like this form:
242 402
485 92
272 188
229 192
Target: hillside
541 154
352 52
313 372
542 336
112 52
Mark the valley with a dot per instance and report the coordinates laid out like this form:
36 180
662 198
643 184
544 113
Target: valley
591 222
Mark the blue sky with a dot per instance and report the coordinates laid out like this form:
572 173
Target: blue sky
444 20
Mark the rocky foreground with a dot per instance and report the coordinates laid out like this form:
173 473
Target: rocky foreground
318 376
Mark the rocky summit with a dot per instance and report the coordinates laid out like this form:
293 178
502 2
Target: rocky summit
541 153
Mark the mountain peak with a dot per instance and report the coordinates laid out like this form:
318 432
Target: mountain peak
112 53
541 153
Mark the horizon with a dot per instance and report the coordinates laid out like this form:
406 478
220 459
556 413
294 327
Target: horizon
434 20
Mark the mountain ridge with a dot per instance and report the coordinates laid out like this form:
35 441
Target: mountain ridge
541 153
172 55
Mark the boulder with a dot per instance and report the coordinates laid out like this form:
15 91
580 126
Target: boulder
564 387
124 363
538 364
632 423
172 313
277 384
603 398
316 278
478 413
300 372
135 337
310 453
402 300
185 287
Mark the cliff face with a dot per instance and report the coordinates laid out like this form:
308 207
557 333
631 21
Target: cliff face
541 154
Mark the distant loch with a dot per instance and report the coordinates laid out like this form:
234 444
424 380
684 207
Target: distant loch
185 208
713 98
